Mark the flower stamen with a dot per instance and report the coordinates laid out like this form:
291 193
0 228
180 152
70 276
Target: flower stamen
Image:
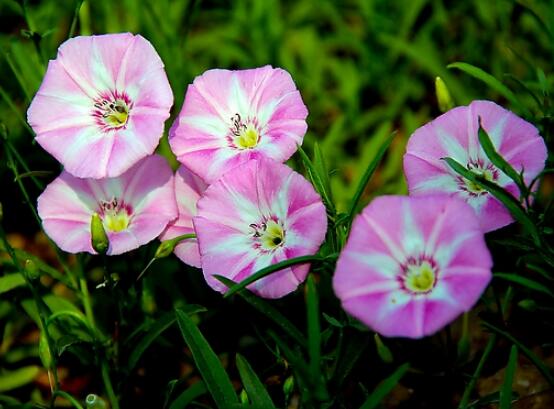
115 215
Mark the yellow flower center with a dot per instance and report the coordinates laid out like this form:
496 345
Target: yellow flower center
247 139
420 278
115 214
112 112
273 236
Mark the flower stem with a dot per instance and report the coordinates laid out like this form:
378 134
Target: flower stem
114 403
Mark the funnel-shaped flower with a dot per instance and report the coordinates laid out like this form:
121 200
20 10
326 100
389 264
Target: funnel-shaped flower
188 189
134 207
412 264
259 214
455 134
230 117
102 104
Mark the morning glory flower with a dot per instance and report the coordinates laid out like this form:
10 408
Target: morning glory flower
411 265
134 207
455 134
230 117
102 104
259 214
188 189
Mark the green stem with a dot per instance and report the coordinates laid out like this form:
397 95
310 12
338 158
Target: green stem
78 5
114 403
74 402
471 385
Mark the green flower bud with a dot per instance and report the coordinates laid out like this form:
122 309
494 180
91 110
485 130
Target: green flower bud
243 397
288 387
382 350
443 95
31 269
165 248
528 305
93 401
44 351
99 238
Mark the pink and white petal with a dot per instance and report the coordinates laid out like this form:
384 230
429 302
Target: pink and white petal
69 235
465 285
428 176
187 250
217 88
152 91
438 314
143 228
138 62
493 215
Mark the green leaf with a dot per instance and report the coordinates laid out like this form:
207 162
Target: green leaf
14 379
490 81
314 327
506 391
515 208
498 161
10 281
155 331
269 311
317 172
543 368
215 378
385 387
188 395
355 347
257 394
526 282
370 170
269 270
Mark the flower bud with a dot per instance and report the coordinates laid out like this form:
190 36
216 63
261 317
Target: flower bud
528 304
243 397
382 350
93 401
443 95
31 269
288 387
44 351
99 238
165 248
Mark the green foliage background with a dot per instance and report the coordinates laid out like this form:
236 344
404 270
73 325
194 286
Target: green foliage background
365 68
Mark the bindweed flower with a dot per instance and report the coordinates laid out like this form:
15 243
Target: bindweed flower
134 208
230 117
188 189
411 265
102 104
455 134
259 214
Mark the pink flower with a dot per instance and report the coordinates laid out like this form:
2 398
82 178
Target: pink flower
412 264
259 214
455 134
188 189
102 104
134 207
230 117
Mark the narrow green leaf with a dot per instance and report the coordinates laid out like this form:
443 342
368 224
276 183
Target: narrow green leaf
490 81
370 170
215 378
321 168
506 391
385 387
498 161
188 395
257 394
544 369
314 327
14 379
526 282
319 177
296 360
515 208
269 270
355 346
269 311
155 331
11 281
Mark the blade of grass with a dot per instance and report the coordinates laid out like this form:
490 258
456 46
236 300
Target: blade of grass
188 395
471 385
528 353
215 378
269 311
515 208
491 81
269 270
370 170
506 391
319 178
526 282
257 394
498 161
385 387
